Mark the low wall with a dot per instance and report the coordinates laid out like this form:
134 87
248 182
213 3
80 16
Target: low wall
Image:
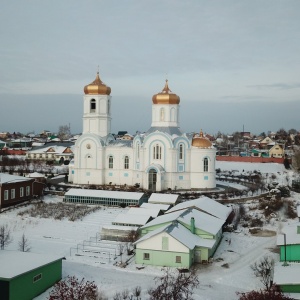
250 159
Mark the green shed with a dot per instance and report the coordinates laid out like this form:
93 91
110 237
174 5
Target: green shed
25 275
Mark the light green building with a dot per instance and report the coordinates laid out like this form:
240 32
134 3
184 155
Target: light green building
25 275
179 239
287 271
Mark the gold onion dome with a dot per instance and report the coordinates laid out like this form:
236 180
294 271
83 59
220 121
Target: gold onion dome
201 142
165 96
97 87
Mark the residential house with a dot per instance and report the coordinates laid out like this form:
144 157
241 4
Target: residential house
58 153
287 271
179 239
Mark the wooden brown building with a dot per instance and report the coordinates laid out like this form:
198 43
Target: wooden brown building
16 189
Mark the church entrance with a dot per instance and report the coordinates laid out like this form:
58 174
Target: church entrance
152 179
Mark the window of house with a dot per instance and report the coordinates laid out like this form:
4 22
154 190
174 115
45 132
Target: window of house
126 162
93 106
21 191
12 194
110 162
27 190
180 151
157 152
165 243
5 194
205 164
178 259
146 256
41 155
37 277
34 155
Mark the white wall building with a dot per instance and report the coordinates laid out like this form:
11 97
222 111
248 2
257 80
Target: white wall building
161 158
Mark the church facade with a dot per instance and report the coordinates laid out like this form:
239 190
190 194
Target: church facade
162 158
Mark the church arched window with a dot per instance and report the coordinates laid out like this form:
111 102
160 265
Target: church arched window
138 151
173 116
181 151
157 152
126 162
162 114
110 162
205 164
93 105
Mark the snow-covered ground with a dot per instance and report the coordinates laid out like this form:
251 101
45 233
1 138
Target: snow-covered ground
237 249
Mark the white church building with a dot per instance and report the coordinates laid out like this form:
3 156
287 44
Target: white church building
163 157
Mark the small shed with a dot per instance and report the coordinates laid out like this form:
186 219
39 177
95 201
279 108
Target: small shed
159 198
162 207
25 275
131 220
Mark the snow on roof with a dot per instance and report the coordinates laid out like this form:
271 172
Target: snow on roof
7 178
203 221
162 207
163 198
36 175
118 227
57 149
104 194
289 274
207 205
181 234
144 211
292 237
132 219
22 262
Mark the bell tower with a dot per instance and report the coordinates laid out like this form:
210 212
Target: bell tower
97 108
165 108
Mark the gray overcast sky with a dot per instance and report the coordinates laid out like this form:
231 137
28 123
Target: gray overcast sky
232 62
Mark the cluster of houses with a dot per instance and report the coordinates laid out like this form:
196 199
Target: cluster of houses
273 145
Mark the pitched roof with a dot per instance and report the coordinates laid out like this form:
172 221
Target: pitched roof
206 205
23 262
182 235
163 198
203 221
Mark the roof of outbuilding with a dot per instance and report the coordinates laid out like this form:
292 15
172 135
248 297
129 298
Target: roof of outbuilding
23 262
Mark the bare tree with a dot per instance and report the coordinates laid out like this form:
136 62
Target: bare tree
24 245
121 248
273 293
64 132
296 160
5 237
264 270
174 286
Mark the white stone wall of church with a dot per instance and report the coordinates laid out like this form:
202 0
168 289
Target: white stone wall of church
165 115
199 178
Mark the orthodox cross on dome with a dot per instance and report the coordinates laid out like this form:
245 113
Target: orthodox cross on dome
166 89
201 133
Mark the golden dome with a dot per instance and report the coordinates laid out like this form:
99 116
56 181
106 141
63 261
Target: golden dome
97 87
201 142
166 96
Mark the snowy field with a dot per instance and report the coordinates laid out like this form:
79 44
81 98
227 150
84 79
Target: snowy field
237 249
